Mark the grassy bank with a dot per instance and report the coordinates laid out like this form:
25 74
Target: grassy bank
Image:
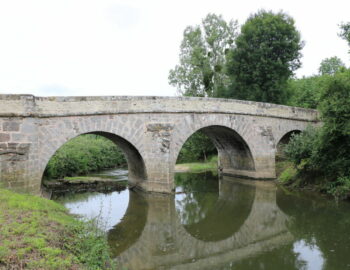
37 233
210 165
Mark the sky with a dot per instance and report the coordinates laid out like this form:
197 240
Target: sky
127 47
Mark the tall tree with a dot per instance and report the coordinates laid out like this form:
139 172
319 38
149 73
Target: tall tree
267 53
202 57
345 32
331 65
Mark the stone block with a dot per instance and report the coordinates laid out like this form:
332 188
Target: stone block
11 126
4 137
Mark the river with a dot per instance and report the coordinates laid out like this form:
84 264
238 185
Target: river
213 223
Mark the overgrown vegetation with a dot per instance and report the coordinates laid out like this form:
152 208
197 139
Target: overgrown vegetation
323 153
37 233
306 92
82 155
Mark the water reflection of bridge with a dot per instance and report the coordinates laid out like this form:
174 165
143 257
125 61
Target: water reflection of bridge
159 240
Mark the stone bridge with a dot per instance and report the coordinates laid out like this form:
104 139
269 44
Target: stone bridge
159 240
150 131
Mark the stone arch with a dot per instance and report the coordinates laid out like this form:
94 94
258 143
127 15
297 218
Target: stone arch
233 151
283 140
136 165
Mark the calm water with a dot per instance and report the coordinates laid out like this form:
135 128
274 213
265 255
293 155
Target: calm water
220 224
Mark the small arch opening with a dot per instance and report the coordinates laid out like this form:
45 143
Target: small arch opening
225 143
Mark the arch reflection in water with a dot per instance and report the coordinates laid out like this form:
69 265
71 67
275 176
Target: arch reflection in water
217 213
166 241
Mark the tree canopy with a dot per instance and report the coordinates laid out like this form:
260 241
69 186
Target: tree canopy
267 53
331 65
345 32
202 57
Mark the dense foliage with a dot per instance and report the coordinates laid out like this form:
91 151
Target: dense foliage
84 154
202 58
331 65
306 92
266 55
325 151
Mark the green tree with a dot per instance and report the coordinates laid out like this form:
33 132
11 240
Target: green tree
306 92
202 57
333 153
267 53
325 151
331 65
345 32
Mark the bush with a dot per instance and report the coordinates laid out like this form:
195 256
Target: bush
325 151
302 148
334 147
84 154
340 188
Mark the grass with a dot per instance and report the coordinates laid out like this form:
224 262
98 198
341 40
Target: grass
196 167
285 171
37 233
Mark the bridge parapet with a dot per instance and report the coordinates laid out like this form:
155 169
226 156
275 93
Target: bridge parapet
32 106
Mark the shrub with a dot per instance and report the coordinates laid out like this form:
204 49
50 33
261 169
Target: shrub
302 148
340 188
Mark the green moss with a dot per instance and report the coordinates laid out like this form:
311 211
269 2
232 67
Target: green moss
37 233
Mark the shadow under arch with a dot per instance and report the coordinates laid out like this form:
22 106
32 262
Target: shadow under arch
128 231
283 142
136 165
233 151
221 213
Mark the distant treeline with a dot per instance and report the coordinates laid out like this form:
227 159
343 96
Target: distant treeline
84 154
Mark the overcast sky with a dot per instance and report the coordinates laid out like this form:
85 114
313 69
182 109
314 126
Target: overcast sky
127 47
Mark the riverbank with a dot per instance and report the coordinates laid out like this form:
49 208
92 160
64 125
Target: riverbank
84 183
36 233
287 176
197 167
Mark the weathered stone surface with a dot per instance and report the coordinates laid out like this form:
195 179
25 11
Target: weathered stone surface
4 137
150 131
11 126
